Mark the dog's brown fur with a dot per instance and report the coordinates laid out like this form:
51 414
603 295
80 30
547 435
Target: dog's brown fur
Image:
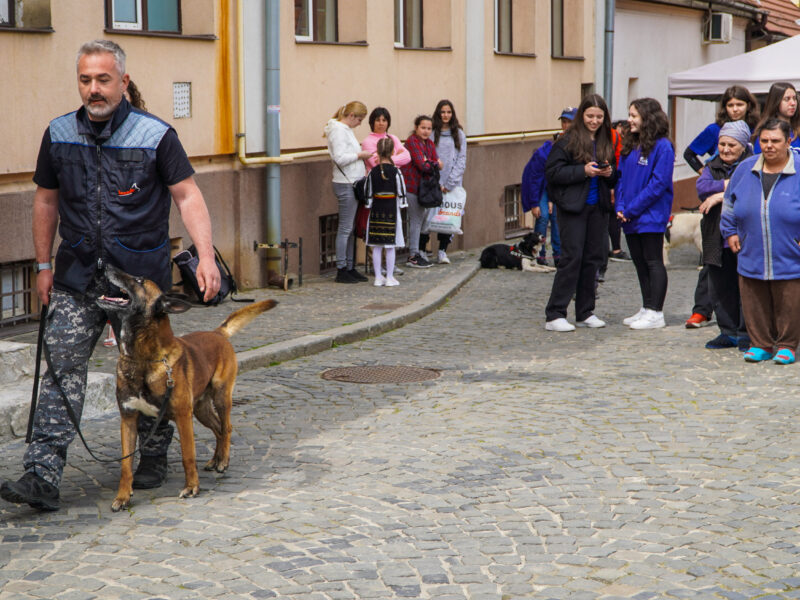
203 366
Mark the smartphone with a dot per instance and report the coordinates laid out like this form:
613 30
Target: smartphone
602 165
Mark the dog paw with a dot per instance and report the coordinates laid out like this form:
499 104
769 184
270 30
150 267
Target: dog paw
216 465
189 492
120 503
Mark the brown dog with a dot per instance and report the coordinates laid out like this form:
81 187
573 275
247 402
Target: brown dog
196 372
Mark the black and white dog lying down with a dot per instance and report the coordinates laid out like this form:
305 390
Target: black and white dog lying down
519 256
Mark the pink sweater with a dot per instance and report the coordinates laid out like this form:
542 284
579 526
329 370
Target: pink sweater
370 144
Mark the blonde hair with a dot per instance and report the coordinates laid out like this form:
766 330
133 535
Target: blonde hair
355 107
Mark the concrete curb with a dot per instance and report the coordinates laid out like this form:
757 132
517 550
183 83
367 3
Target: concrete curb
15 396
318 342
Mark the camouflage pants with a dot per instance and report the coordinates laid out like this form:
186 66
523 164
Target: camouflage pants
73 326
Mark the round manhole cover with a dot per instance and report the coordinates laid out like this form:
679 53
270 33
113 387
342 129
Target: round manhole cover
380 374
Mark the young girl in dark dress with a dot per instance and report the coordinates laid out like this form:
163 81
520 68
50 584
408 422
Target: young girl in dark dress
386 195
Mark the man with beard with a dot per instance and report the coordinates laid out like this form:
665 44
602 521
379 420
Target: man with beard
105 175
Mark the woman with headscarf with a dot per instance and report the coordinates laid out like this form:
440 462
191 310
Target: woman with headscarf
719 259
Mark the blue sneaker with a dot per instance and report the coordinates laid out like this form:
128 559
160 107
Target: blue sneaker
720 342
784 356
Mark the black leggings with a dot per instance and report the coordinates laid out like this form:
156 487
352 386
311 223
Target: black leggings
444 240
647 252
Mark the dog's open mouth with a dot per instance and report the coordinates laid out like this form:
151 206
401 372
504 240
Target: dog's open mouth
114 301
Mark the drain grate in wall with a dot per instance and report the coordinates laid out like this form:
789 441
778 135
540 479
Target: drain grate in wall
381 374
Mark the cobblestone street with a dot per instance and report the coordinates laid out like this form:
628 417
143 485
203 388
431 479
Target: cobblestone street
596 464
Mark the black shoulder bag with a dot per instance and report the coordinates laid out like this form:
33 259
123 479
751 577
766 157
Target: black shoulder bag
429 194
187 262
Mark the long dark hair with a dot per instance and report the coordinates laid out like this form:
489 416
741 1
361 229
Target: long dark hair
135 96
579 142
773 103
751 117
655 125
438 124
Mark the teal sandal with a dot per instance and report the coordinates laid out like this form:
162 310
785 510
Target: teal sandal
754 355
784 356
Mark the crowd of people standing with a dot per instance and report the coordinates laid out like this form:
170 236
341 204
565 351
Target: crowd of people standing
749 200
393 172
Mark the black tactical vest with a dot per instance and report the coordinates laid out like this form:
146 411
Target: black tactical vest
112 205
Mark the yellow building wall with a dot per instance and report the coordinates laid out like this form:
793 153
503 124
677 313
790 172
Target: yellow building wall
39 78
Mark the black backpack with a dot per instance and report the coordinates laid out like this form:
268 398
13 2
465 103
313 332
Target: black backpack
187 262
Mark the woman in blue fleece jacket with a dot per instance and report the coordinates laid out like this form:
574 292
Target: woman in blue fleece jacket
644 203
761 222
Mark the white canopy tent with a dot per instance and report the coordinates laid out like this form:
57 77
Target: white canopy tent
756 70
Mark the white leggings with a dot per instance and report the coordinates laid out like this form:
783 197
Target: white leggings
376 259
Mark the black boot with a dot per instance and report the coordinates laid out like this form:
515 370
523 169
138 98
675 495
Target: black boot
151 472
356 275
31 489
344 276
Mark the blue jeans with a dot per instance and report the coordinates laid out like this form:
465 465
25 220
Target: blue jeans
540 227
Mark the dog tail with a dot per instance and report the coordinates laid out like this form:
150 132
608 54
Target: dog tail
240 318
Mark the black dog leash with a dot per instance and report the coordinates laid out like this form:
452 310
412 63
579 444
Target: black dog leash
37 369
73 417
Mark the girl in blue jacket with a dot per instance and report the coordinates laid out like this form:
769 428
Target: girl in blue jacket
644 203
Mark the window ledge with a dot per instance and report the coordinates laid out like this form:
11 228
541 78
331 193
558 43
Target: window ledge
27 30
424 48
324 43
554 57
520 54
163 34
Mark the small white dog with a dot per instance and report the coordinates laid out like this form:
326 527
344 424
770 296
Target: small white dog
683 228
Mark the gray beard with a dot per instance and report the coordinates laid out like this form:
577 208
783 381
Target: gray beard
98 113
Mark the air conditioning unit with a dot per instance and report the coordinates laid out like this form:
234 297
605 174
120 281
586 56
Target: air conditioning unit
717 28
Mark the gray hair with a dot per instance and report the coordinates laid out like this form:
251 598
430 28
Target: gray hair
97 46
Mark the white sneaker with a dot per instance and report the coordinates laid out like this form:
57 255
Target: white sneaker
379 281
391 282
591 321
559 325
443 260
635 317
650 320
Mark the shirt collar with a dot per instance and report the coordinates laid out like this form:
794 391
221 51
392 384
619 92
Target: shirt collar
117 117
788 169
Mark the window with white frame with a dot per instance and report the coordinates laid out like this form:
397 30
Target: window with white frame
144 15
6 13
25 14
408 23
503 29
316 20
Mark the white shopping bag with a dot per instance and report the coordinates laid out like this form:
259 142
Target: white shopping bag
447 218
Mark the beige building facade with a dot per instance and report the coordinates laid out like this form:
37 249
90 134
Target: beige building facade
508 66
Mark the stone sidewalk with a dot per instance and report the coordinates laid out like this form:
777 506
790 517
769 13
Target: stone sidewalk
598 464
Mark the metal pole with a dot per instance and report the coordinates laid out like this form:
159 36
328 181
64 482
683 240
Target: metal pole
272 128
608 54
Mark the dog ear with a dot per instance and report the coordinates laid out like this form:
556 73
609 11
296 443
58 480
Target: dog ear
171 304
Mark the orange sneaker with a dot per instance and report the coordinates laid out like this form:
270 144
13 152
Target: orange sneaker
697 320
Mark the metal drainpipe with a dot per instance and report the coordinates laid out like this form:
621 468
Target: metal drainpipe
608 54
272 124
